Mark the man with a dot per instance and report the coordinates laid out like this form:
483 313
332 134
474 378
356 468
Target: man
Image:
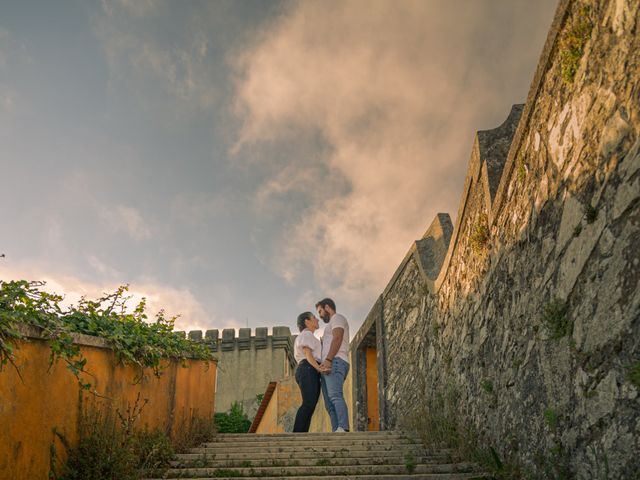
335 363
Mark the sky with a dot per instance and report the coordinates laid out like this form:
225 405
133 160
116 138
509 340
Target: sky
234 161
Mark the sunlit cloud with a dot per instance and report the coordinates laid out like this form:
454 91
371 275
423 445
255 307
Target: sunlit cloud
173 300
129 220
397 91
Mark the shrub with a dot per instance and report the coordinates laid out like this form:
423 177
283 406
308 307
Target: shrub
233 421
127 332
555 319
109 446
195 432
479 238
572 43
633 374
152 449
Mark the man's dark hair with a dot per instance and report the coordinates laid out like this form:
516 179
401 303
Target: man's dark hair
302 318
327 301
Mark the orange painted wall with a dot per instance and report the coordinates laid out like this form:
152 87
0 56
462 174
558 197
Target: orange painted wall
32 407
372 390
284 402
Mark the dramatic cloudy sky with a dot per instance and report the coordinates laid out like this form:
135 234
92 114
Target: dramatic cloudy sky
236 160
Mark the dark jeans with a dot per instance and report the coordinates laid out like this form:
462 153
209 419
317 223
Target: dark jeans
308 379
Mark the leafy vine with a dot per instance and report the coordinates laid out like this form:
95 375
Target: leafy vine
134 339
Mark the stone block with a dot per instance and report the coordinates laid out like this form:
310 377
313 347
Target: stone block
195 335
211 335
211 338
281 337
260 340
244 339
228 339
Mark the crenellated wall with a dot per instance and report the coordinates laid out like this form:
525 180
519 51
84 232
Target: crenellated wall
247 363
528 308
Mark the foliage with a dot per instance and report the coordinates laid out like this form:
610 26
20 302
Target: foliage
133 339
440 422
487 386
152 448
522 171
551 417
479 238
193 432
590 213
556 320
577 230
233 421
572 43
633 374
409 462
109 447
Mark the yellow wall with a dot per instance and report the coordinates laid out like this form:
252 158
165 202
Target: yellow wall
279 415
320 421
32 407
284 403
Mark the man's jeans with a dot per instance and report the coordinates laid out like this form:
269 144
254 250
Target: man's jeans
332 393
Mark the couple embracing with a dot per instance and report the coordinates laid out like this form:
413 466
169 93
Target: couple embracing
322 365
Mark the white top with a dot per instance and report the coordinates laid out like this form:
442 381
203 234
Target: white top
306 339
337 321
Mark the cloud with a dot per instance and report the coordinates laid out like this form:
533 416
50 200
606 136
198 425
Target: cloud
126 219
174 300
154 65
136 8
197 209
396 91
102 268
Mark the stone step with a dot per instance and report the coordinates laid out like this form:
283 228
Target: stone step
202 461
424 476
339 442
294 449
326 471
297 436
233 455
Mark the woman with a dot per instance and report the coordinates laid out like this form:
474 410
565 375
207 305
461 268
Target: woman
307 351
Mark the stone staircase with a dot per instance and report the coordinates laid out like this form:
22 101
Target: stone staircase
308 456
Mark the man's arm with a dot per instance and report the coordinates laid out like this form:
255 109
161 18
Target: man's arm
338 335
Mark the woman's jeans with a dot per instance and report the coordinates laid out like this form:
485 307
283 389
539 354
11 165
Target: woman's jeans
333 396
308 379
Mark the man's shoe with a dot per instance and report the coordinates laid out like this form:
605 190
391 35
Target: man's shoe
340 430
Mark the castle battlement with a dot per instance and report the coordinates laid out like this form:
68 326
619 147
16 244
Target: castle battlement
280 338
259 356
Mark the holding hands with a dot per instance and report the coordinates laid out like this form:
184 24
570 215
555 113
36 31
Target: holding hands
325 367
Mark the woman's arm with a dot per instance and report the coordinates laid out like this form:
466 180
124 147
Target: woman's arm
309 356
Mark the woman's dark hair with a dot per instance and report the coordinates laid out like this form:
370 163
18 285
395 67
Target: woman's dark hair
302 318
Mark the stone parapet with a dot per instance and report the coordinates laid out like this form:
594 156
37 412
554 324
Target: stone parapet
526 309
227 340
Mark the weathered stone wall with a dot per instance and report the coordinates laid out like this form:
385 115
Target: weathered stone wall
247 363
534 317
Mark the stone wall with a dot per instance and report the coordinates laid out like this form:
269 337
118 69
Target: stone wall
533 317
247 363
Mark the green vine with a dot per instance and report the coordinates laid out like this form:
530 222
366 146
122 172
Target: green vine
134 340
